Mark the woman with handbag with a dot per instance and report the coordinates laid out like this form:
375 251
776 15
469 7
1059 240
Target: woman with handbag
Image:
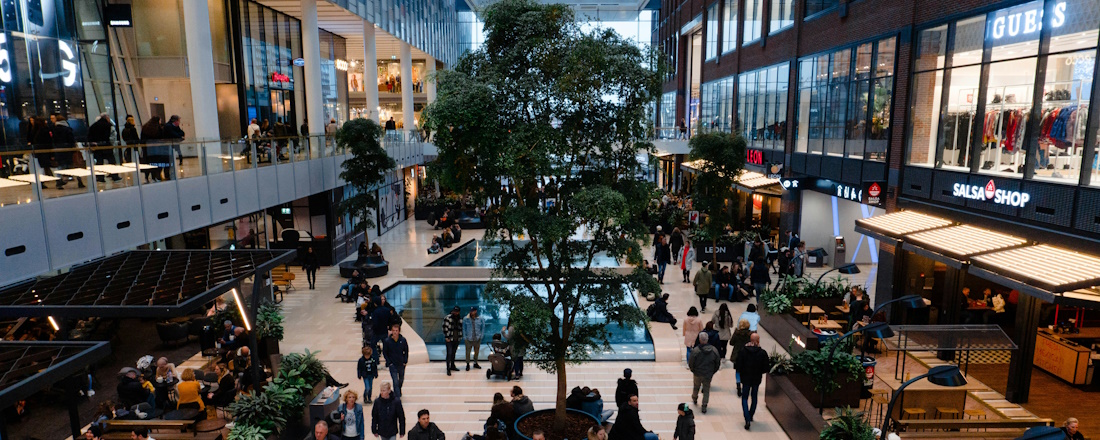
350 418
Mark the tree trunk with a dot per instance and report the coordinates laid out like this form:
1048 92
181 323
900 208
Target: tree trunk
714 251
559 407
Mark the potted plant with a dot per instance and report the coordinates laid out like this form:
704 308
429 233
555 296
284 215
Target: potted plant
838 378
269 327
279 407
848 424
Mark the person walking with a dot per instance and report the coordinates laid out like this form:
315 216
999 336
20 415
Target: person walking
702 283
687 257
367 370
705 362
759 277
798 261
737 342
677 243
752 363
723 323
692 326
387 415
424 429
452 334
309 264
751 316
473 330
685 423
350 415
627 387
628 425
663 256
396 350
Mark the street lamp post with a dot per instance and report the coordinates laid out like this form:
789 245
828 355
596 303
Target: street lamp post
846 269
943 375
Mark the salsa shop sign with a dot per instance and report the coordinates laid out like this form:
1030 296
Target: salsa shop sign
990 193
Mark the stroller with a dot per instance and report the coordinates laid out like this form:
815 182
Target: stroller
500 360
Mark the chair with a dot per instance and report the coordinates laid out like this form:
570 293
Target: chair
880 402
913 413
976 414
285 281
947 412
172 333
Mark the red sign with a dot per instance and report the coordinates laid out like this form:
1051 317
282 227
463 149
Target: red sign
990 190
874 190
278 77
755 157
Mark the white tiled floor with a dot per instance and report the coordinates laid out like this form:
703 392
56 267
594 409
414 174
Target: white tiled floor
460 403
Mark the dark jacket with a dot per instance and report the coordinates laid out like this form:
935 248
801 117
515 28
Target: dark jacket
759 274
432 432
62 137
752 363
387 417
628 426
396 353
738 341
705 361
227 391
130 134
676 241
368 367
663 254
381 319
309 260
522 405
99 133
452 327
130 392
358 410
625 389
685 427
173 132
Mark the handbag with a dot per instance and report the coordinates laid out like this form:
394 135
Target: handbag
78 160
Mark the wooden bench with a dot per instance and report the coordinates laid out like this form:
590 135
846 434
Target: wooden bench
167 436
152 425
1010 434
952 424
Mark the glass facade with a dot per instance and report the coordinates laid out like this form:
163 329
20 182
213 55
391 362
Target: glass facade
334 77
782 15
845 100
432 26
270 42
717 108
815 6
667 113
976 108
754 20
729 30
712 31
762 106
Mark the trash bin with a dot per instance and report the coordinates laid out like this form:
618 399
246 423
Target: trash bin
868 376
816 257
838 252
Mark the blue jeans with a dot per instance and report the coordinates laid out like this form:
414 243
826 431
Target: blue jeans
718 292
688 359
397 375
661 272
1044 160
368 387
345 290
746 392
651 436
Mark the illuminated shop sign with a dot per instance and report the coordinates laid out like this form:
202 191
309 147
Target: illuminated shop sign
868 193
755 157
279 78
990 193
342 65
1027 21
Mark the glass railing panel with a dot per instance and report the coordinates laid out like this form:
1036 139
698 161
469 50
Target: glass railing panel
63 172
113 167
18 177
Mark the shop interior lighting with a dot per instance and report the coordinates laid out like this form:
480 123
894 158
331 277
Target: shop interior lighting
1060 269
902 223
965 240
240 308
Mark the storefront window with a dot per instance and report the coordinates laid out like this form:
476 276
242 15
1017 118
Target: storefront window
754 19
712 31
924 118
1014 32
762 106
960 120
270 45
844 101
717 111
931 49
782 15
1064 117
667 115
815 6
729 31
1007 109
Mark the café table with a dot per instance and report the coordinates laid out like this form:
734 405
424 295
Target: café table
30 178
77 172
929 396
115 169
827 325
140 166
5 183
844 309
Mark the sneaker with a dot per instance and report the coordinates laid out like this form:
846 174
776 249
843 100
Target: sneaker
91 393
477 366
695 400
448 371
467 367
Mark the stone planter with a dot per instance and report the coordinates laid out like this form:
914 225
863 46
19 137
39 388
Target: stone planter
591 420
786 327
795 414
847 395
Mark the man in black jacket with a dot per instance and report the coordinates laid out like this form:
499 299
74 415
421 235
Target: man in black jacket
628 426
452 334
424 429
387 415
130 390
396 350
703 363
175 134
752 363
99 134
627 387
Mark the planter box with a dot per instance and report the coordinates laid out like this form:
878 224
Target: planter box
847 395
795 414
786 327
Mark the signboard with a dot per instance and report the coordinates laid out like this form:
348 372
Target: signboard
774 170
873 192
859 194
341 65
118 15
754 157
725 253
279 78
990 193
299 62
1023 20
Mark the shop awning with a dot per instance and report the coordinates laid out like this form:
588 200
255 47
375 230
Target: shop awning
1050 268
28 367
139 284
957 243
665 149
694 166
890 227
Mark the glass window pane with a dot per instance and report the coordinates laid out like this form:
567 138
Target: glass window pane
1008 106
1062 136
931 49
969 35
729 31
712 31
882 96
815 6
782 15
960 120
1014 32
754 10
856 126
863 61
924 117
1074 25
884 58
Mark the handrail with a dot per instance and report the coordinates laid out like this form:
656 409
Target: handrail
82 146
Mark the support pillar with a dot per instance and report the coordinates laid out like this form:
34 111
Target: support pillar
1021 363
429 78
370 71
200 69
407 117
311 52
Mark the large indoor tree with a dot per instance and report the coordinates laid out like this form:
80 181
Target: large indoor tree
545 125
721 159
364 171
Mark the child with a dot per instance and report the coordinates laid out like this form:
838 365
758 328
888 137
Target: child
685 423
368 371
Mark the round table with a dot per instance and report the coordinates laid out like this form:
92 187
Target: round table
210 425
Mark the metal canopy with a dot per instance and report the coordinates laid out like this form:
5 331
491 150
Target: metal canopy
29 367
949 338
1048 267
894 226
139 284
957 243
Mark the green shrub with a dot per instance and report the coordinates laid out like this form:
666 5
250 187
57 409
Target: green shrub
311 369
248 432
845 367
848 424
269 321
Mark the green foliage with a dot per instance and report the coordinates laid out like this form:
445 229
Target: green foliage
364 170
282 400
848 424
311 369
723 159
542 100
227 312
779 363
269 321
261 410
830 288
776 302
248 432
844 367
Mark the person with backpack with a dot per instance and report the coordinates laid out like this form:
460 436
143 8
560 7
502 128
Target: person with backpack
752 363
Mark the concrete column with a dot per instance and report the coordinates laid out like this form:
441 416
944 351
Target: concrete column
406 87
370 70
429 79
200 67
311 52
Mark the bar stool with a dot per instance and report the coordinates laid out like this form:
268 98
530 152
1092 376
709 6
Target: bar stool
947 412
976 414
880 402
914 413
